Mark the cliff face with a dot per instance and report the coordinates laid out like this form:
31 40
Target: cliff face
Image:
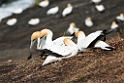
94 66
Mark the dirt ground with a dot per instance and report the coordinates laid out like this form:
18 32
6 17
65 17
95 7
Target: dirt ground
94 66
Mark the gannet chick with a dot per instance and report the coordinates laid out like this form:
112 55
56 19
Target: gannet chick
88 22
53 10
11 21
85 43
96 1
67 10
44 3
104 46
100 8
18 11
34 21
120 17
72 28
114 26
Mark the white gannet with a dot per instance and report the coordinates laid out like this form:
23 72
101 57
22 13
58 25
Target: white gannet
18 11
53 10
114 26
72 28
44 3
65 51
120 17
96 1
103 46
84 43
99 44
67 10
88 22
48 34
11 21
34 21
100 8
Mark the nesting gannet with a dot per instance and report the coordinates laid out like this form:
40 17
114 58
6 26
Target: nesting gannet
99 44
100 8
44 3
53 10
120 17
34 21
96 1
88 22
103 46
114 26
65 51
72 28
11 21
84 43
18 11
67 10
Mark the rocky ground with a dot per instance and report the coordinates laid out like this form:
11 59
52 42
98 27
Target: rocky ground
94 66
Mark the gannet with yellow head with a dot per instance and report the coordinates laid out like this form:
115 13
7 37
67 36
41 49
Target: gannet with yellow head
88 22
67 10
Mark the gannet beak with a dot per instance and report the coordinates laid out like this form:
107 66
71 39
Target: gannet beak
32 43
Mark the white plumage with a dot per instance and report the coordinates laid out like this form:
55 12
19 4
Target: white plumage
68 50
34 21
88 22
11 21
100 8
72 28
44 3
120 17
103 45
67 10
114 25
18 11
96 1
53 10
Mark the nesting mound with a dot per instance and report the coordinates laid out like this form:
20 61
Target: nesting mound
93 66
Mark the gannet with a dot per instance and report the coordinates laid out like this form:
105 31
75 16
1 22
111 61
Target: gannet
11 21
44 3
88 22
65 51
100 8
85 43
99 44
96 1
34 21
44 40
72 28
120 17
114 26
18 11
53 10
67 10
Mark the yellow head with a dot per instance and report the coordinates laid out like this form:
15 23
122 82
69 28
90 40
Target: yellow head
121 15
89 18
35 35
80 33
45 32
69 5
73 24
114 23
68 42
